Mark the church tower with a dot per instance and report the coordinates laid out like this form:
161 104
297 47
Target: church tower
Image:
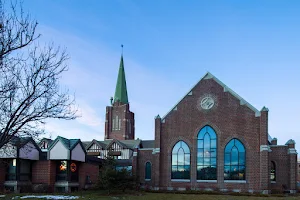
119 121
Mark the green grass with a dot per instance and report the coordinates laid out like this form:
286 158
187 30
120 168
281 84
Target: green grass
91 195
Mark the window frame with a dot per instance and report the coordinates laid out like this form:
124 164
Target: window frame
273 164
207 130
148 166
240 166
184 166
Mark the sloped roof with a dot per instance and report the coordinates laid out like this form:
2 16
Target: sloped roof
148 144
121 89
20 141
131 144
208 75
104 143
68 143
85 143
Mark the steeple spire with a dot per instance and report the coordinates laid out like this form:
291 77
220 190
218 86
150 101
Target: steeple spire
121 89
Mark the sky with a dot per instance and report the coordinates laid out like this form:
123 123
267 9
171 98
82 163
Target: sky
251 46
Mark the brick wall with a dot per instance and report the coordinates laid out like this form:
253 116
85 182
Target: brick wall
88 169
44 172
228 118
281 159
143 157
2 174
298 171
124 113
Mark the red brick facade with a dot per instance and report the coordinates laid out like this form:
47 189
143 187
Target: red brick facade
44 172
90 170
230 117
121 112
2 175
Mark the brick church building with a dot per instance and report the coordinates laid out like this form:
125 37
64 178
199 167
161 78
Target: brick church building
212 139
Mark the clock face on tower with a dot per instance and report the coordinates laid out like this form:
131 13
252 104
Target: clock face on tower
207 103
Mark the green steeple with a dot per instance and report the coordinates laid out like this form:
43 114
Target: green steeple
121 89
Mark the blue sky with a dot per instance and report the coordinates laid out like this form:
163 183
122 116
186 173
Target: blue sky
251 46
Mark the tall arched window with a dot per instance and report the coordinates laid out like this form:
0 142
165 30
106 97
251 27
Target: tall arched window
273 171
234 160
148 171
207 154
181 161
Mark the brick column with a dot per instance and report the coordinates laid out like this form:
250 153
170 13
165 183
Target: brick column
135 172
51 174
264 169
156 154
108 122
2 175
264 126
292 153
264 152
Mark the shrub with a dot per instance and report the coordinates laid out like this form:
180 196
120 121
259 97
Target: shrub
40 188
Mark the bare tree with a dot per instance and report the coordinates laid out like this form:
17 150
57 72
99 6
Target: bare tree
30 91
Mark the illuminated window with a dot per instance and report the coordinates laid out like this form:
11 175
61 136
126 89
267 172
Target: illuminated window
61 170
234 160
181 161
207 154
74 171
273 171
11 171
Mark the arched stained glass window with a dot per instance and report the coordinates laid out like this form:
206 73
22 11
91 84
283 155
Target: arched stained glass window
181 161
273 171
234 160
148 171
207 154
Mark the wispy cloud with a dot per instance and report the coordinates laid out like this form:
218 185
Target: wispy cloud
88 116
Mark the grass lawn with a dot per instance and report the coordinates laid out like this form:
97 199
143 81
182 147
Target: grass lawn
164 196
156 196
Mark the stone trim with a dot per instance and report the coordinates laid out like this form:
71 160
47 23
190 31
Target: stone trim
146 149
66 184
207 181
292 151
181 180
265 192
265 148
271 145
235 181
156 150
